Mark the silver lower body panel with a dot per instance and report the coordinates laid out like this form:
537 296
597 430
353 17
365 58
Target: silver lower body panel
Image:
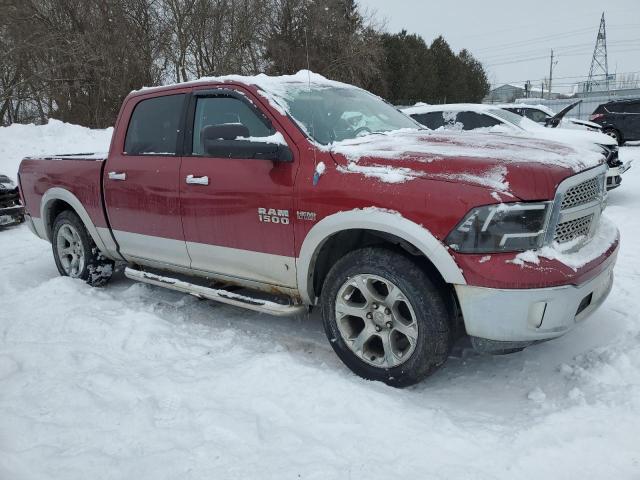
531 315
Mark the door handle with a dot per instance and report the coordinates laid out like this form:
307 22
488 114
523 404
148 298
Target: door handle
117 176
191 180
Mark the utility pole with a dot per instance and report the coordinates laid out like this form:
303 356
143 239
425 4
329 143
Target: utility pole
551 65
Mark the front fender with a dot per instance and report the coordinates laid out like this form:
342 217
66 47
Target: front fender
378 220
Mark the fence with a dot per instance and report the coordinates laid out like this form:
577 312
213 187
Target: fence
583 110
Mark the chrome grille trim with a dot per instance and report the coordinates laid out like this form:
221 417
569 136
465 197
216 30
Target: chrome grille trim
582 194
577 206
572 229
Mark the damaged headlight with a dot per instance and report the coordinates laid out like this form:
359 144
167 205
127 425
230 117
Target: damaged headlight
506 227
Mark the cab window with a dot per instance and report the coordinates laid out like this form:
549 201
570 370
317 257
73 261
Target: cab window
432 120
226 118
153 127
537 116
473 120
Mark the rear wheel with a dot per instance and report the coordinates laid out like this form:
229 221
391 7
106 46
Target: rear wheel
384 317
615 134
75 253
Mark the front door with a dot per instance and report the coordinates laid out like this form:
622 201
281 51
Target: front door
236 212
141 183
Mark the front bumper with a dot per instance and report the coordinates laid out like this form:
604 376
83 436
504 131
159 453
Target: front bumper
10 215
614 175
527 316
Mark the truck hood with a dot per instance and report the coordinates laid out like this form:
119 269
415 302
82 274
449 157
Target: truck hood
526 168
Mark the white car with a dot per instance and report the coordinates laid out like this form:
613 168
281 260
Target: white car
543 115
490 118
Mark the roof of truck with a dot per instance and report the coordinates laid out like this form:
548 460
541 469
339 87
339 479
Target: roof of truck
264 82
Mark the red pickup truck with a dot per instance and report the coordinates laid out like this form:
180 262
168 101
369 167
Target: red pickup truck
306 192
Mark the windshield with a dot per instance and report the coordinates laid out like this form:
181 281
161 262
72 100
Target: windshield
328 113
522 122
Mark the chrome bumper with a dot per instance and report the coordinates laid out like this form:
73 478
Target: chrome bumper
532 315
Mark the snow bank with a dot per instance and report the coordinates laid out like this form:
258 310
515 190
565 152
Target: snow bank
18 141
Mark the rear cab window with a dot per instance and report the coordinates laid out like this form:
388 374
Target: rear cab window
432 120
473 120
154 126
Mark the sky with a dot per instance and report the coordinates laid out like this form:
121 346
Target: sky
513 40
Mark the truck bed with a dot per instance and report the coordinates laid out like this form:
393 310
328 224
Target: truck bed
80 174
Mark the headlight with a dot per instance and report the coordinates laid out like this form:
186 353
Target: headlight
507 227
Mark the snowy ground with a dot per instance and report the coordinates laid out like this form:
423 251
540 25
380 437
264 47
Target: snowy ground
136 382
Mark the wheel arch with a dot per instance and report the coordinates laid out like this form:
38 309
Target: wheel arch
56 200
387 225
614 129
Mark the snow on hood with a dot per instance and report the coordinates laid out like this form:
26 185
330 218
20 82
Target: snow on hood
489 160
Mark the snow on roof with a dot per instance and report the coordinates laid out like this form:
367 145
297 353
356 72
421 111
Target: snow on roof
272 88
544 108
263 81
451 107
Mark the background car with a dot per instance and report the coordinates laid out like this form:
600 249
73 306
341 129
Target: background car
619 119
472 116
543 115
11 209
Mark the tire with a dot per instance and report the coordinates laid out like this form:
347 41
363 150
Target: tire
402 341
75 253
615 134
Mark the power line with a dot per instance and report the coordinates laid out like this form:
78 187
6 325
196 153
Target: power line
579 32
573 48
570 80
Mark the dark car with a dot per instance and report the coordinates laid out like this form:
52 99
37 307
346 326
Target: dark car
619 119
11 209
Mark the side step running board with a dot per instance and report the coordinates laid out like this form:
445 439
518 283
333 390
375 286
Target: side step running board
223 296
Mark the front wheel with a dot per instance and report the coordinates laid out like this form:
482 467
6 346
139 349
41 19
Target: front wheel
384 317
615 134
75 253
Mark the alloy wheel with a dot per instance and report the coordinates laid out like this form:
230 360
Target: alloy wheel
70 250
376 320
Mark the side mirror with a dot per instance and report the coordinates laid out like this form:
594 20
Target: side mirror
232 140
251 149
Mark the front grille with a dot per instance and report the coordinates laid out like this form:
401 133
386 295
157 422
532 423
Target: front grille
585 192
572 229
9 198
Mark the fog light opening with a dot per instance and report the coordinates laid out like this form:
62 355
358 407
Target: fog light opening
586 301
536 314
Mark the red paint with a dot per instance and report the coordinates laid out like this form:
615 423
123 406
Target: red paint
156 201
80 177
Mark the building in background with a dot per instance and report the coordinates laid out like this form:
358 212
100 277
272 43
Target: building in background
509 93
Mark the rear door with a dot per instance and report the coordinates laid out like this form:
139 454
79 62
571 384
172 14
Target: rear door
237 212
632 121
141 182
617 117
